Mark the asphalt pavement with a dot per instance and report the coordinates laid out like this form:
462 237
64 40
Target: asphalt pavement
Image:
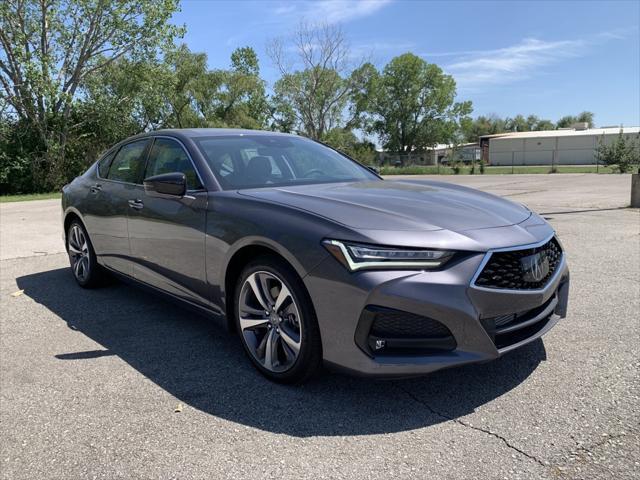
90 381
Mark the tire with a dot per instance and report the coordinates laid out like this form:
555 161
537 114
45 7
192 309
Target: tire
82 258
290 321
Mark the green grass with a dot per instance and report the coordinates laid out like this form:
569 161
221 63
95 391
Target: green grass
503 170
29 196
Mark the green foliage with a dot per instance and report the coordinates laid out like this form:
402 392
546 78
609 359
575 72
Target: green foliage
531 123
49 50
623 153
411 104
29 197
491 125
415 170
482 125
125 97
315 87
568 120
311 101
345 141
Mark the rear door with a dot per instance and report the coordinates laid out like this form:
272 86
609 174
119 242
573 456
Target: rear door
167 234
106 216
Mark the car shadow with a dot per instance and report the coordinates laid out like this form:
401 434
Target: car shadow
203 366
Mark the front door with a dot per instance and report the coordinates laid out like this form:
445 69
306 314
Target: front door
167 234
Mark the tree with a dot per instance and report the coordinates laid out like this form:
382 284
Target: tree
315 86
623 152
545 125
569 120
179 91
482 125
241 100
412 106
529 124
344 140
49 48
517 124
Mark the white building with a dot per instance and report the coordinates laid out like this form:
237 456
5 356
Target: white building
439 154
573 146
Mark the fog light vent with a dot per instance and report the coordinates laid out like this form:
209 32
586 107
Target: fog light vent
384 331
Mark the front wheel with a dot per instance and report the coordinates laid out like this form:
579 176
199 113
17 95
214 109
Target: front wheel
276 321
82 258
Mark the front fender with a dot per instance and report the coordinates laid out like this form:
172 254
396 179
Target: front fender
235 222
253 241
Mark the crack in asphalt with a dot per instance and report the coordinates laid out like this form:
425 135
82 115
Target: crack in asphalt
603 441
581 450
467 425
35 254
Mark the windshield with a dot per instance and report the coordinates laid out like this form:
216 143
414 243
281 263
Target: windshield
251 161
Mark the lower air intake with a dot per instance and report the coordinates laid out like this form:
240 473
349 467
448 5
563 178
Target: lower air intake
384 331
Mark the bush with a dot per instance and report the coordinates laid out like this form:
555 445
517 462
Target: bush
413 170
623 153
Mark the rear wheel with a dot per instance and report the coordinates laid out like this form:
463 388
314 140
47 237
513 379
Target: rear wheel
82 257
276 321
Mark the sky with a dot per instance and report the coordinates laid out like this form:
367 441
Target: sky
547 58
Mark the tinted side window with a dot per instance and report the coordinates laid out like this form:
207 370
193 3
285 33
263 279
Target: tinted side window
103 164
168 156
128 163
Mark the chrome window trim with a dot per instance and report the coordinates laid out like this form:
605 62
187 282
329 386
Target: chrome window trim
515 248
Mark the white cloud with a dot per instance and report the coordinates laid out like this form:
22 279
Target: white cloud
332 11
512 63
476 68
374 49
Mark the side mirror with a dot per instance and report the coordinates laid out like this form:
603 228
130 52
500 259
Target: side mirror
374 170
174 184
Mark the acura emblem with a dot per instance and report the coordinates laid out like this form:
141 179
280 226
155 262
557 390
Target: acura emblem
535 267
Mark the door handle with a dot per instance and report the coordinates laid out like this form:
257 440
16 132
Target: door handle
95 188
136 204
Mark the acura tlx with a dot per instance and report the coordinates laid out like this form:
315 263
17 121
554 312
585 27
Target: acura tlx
313 258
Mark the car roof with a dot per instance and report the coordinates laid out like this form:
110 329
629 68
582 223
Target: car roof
189 133
214 132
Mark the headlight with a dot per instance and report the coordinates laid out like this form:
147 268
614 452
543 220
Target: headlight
357 257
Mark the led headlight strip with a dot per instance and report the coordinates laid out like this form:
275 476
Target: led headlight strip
358 257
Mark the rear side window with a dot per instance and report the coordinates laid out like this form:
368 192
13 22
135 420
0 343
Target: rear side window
168 156
104 162
128 163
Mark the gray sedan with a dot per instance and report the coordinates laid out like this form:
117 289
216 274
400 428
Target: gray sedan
313 258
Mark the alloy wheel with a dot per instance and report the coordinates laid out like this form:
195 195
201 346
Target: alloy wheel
79 253
270 321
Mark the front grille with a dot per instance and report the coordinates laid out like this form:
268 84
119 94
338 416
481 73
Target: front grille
385 331
521 269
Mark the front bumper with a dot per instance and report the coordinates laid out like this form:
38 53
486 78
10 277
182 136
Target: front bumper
343 302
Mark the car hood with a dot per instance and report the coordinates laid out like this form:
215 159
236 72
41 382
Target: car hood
398 205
